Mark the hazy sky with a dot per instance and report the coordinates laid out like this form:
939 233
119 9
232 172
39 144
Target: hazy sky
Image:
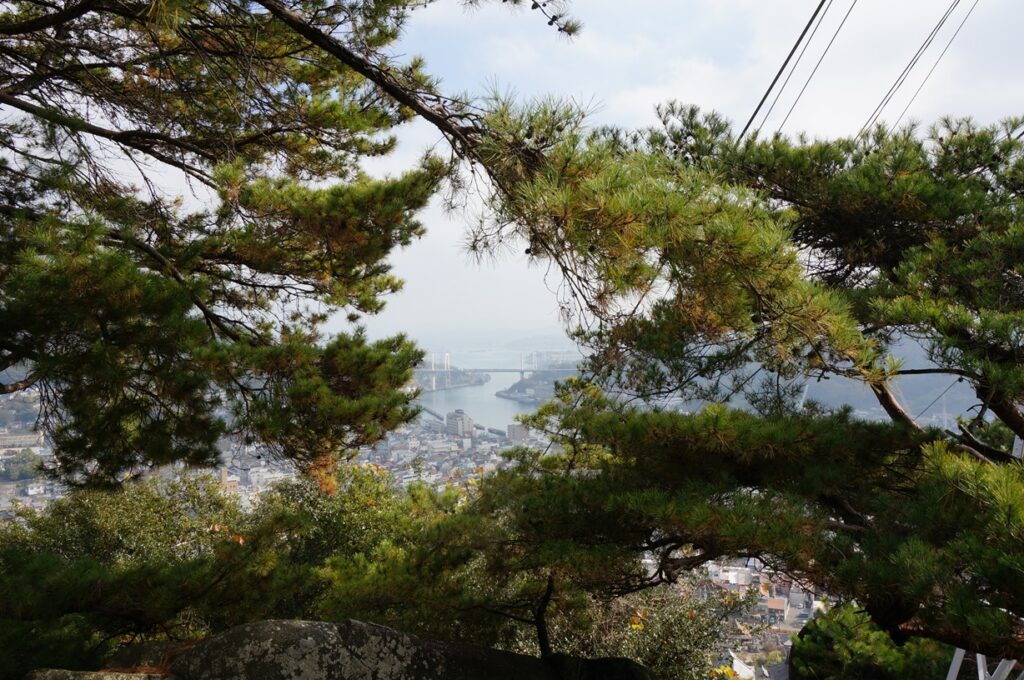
718 54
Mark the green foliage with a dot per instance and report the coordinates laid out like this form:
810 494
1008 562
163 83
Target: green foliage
677 633
491 565
843 644
174 560
694 263
364 512
22 465
684 278
177 559
150 329
926 539
148 522
98 564
918 233
422 567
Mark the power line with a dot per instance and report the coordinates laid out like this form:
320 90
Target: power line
906 70
820 59
781 69
795 65
873 118
932 70
909 67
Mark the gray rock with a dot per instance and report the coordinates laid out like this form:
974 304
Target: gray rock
302 650
54 674
352 650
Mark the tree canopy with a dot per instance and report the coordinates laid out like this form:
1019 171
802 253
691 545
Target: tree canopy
171 560
150 327
168 560
702 268
696 266
843 644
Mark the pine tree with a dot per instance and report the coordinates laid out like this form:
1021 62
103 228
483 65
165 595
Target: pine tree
150 328
169 561
696 266
707 270
703 268
843 644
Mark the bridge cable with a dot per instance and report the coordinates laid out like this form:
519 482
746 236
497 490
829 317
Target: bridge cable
941 395
781 69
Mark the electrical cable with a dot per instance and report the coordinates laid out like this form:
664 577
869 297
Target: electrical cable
932 70
795 65
820 59
781 69
901 79
873 118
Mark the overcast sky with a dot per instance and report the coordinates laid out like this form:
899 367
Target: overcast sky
630 56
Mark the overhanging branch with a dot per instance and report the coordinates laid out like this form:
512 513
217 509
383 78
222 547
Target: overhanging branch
10 388
41 23
439 116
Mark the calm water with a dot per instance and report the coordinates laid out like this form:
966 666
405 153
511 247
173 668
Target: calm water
937 399
479 400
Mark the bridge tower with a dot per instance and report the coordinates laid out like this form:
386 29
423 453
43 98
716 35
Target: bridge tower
447 369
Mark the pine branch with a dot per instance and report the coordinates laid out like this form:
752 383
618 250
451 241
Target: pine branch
131 138
41 23
891 405
936 371
984 451
464 136
10 388
168 267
